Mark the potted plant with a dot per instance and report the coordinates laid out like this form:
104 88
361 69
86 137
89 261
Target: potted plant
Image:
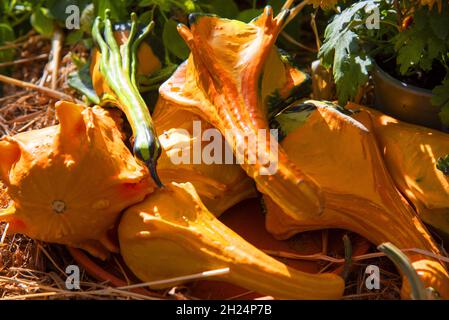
404 46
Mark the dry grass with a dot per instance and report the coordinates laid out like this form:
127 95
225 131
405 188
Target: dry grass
34 270
21 109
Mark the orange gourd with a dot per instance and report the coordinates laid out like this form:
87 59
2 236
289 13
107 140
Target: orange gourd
342 155
230 75
219 185
248 221
68 183
411 154
172 234
3 196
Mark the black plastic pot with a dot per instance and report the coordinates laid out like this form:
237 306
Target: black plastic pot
403 101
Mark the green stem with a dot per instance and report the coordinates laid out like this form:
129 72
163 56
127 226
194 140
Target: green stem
158 77
390 24
348 256
118 65
404 265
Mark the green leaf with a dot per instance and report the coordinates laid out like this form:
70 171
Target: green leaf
248 15
190 5
230 10
57 8
440 24
351 67
87 18
444 115
88 43
146 3
164 5
340 24
81 81
423 42
409 54
292 118
441 94
435 48
173 41
187 6
154 81
146 17
276 5
443 165
74 37
5 6
6 35
440 98
117 8
342 50
42 23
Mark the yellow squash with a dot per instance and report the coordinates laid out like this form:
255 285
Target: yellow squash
183 136
232 73
411 154
68 183
248 220
342 155
172 234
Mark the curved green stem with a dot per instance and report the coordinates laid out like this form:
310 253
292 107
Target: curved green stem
118 65
404 265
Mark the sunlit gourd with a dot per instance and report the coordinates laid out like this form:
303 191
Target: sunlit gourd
232 72
187 156
248 221
4 199
411 154
342 155
68 183
172 234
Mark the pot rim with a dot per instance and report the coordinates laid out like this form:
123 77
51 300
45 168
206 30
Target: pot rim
398 83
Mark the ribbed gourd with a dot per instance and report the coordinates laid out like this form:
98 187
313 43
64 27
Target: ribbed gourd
148 61
233 71
411 154
248 221
69 183
342 155
189 154
114 71
172 234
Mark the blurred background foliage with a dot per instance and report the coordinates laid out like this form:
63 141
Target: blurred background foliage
18 17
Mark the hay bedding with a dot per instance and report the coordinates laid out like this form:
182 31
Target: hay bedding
34 270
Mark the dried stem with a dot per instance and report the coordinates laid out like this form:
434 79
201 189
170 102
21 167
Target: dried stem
99 273
15 95
287 4
26 60
315 31
296 10
56 48
46 91
10 46
322 257
397 6
404 265
296 43
348 256
196 276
